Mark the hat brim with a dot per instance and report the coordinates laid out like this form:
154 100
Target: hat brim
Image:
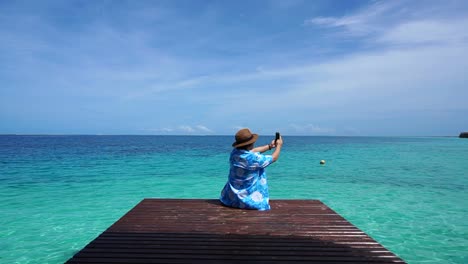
241 144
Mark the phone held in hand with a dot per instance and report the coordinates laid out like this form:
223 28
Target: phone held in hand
277 137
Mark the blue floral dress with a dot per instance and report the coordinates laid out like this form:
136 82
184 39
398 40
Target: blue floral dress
247 184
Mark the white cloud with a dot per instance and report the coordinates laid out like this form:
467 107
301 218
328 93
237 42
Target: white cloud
187 129
360 23
400 61
427 32
413 65
311 129
399 22
158 130
237 128
203 128
181 129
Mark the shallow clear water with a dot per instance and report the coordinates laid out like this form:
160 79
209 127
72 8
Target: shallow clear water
57 193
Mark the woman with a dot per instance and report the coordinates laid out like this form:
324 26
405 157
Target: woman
247 183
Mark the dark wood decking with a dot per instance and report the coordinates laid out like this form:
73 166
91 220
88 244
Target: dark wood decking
203 231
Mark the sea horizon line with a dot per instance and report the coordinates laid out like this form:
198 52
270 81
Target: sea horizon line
207 135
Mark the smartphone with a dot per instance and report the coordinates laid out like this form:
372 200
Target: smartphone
277 137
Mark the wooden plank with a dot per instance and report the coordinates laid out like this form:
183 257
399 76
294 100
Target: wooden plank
204 231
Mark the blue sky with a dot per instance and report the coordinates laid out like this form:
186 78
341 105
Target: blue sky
212 67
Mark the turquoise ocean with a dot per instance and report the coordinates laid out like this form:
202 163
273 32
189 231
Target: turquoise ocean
57 193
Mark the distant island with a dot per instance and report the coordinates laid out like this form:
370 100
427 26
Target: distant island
464 135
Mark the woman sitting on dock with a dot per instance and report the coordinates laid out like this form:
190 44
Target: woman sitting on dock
247 183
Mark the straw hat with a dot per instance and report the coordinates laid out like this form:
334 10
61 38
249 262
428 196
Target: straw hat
244 137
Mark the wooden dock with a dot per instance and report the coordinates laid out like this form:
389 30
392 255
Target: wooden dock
204 231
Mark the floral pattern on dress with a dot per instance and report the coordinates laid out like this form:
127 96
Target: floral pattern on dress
247 186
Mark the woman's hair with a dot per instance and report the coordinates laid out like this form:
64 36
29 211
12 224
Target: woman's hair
247 147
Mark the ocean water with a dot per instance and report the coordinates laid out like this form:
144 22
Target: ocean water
57 193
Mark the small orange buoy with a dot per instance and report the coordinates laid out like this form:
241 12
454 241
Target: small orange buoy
322 162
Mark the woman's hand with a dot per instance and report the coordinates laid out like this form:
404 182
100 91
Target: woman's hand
279 142
277 151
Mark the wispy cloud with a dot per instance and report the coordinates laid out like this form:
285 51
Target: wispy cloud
376 62
203 129
413 66
364 21
163 130
180 129
432 32
393 22
187 129
311 129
